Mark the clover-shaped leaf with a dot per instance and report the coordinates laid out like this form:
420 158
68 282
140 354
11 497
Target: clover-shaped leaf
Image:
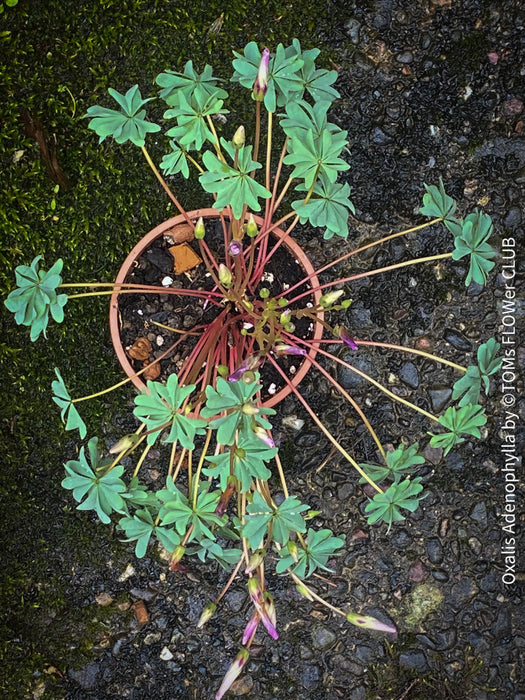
315 157
281 521
190 84
248 460
284 79
329 208
35 297
465 420
321 545
224 556
242 412
192 128
400 462
437 203
158 407
233 187
69 414
386 506
177 509
175 161
126 124
100 493
468 388
141 528
317 81
476 229
302 117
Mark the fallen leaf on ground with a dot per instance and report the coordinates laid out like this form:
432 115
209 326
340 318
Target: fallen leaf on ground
185 258
140 349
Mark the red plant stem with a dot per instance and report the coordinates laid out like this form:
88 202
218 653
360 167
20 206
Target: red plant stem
257 133
365 247
324 429
166 188
273 205
346 395
210 334
378 385
364 274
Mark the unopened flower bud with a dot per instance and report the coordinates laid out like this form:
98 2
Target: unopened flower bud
330 298
292 548
249 409
232 673
125 443
256 559
251 227
260 85
284 349
286 317
207 614
235 248
341 332
263 435
249 364
270 607
303 590
222 370
370 623
264 293
250 628
239 138
199 231
225 276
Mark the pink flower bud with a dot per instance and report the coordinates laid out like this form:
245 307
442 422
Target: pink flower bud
263 435
260 85
250 628
235 248
232 673
343 334
283 349
370 623
259 602
249 364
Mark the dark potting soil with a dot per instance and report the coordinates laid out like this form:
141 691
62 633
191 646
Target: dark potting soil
139 313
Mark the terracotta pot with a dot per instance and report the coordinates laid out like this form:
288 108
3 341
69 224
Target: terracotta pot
170 226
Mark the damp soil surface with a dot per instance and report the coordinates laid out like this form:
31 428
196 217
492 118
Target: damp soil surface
429 89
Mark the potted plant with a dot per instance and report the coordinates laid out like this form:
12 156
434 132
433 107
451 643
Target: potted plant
259 322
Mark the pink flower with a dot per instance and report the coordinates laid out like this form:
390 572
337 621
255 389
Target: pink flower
260 85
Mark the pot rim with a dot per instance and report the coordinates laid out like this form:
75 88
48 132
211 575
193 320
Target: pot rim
164 228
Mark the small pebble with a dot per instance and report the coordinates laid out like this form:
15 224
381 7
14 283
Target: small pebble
166 654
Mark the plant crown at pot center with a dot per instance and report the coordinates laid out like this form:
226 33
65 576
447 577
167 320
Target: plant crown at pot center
216 501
